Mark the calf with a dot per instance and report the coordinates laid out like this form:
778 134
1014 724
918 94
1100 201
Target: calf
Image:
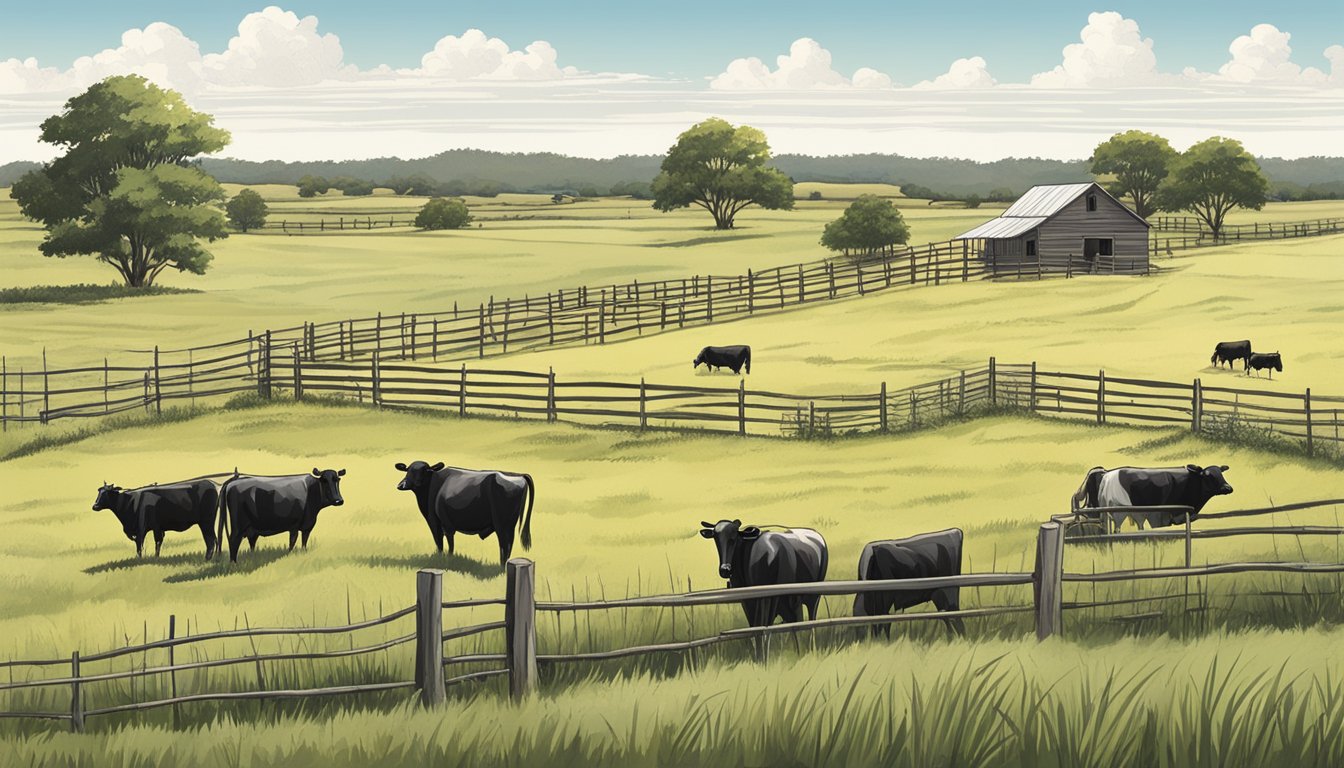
1262 360
925 556
160 508
749 557
1228 351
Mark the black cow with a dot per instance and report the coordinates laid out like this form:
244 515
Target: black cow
1189 486
473 502
928 555
1228 351
749 557
160 508
736 358
264 506
1262 360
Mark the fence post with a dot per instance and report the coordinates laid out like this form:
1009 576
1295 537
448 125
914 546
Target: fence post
882 407
965 261
961 395
1306 405
377 383
1032 392
462 392
520 627
429 636
4 392
298 374
172 674
158 392
742 407
1101 397
709 298
1197 406
480 337
550 395
993 382
76 696
1048 580
269 380
46 389
643 406
751 292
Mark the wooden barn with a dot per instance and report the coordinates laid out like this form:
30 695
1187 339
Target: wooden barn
1074 228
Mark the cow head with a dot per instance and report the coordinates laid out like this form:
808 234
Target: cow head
728 535
1210 479
418 475
700 358
1277 362
108 495
329 485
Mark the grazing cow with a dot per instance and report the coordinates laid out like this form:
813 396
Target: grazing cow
736 358
1262 360
1189 486
264 506
160 508
749 557
1228 351
473 502
919 557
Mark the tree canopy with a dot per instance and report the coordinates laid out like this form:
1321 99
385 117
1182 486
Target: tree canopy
246 210
869 224
1210 179
1138 162
124 190
722 169
443 213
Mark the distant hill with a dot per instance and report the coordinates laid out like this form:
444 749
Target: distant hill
549 172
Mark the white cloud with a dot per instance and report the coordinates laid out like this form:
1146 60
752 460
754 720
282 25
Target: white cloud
275 47
1112 53
27 76
1335 55
1263 56
159 52
806 67
963 74
476 56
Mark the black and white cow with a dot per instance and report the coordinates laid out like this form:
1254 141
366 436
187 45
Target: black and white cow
265 506
750 557
928 555
1189 486
735 358
1228 351
160 508
473 502
1258 361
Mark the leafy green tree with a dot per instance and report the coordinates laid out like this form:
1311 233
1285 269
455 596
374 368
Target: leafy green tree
1138 162
443 213
124 190
869 224
972 201
312 186
1210 179
814 195
246 210
722 169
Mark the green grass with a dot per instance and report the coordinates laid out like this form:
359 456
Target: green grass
83 293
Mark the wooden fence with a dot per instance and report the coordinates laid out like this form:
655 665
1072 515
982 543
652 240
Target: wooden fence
1270 230
339 224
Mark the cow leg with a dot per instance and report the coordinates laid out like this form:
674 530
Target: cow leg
449 534
436 531
139 546
251 542
158 542
950 600
305 533
235 543
211 545
293 537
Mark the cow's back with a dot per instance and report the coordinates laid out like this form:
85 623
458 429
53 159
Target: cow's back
785 557
178 503
268 503
1141 487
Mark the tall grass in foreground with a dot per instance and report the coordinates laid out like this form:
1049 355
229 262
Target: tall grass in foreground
1255 699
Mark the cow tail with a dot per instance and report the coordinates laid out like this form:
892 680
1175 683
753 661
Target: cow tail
1214 358
527 516
1088 490
222 528
748 360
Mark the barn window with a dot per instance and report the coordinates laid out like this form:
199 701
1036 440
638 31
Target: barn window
1091 202
1106 247
1031 247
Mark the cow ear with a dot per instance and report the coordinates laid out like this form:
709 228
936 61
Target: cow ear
436 467
1223 468
737 522
708 533
341 473
1194 468
400 467
750 532
706 525
316 473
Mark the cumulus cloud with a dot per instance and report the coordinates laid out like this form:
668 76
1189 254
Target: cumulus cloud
1335 55
476 56
1263 56
275 47
159 52
27 76
806 67
963 74
1112 53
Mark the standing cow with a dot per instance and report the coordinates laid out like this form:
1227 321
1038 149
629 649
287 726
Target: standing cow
734 358
749 557
471 501
1229 351
1189 486
160 508
264 506
1258 361
925 556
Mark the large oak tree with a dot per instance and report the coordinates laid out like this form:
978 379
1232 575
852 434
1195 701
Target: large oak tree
1137 163
721 168
124 190
1211 178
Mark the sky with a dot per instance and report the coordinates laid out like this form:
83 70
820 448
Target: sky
335 79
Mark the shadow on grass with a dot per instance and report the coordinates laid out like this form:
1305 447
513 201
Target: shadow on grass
446 562
82 293
149 561
704 240
220 566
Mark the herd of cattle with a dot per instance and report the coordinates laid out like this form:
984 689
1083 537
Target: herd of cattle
484 503
1229 351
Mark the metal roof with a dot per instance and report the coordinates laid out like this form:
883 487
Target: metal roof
1046 200
1002 227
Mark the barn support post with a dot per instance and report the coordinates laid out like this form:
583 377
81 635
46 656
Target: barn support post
429 636
1196 406
882 407
993 382
520 626
550 392
1048 580
1101 397
462 392
76 696
298 374
172 673
1306 407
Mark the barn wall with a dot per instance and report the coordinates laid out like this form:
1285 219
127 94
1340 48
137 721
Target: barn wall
1063 234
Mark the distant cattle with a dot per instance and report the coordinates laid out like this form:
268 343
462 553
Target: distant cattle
264 506
735 358
1189 486
1228 351
473 502
1259 361
160 508
925 556
749 557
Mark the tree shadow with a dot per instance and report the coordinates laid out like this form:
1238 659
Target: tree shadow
220 566
445 562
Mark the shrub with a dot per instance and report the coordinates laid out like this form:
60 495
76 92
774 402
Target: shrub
443 213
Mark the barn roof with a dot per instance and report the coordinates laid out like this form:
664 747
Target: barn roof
1033 209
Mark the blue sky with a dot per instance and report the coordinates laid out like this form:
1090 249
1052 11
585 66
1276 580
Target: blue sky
693 39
